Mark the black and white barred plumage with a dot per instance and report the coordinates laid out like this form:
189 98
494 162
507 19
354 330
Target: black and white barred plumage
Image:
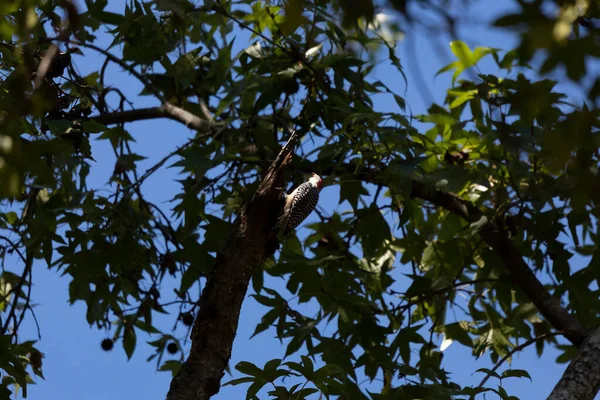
300 203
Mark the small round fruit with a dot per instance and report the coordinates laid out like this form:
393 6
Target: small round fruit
187 319
107 344
172 348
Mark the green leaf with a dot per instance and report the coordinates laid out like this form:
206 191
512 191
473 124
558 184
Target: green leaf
463 53
293 16
308 366
449 67
439 119
109 17
248 368
172 365
459 331
568 353
351 190
327 371
373 230
481 52
93 127
254 388
12 217
47 251
58 127
238 381
272 365
462 97
190 276
129 342
516 373
466 58
488 372
114 135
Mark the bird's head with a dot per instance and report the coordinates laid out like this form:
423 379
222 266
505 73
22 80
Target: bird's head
316 180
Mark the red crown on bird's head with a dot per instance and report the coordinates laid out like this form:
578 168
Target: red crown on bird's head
316 179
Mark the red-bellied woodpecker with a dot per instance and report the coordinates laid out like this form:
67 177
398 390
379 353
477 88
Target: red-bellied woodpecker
300 203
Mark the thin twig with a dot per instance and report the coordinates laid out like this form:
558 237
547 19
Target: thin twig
17 292
14 247
159 164
27 301
28 213
512 352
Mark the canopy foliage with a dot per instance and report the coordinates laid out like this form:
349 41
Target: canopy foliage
460 224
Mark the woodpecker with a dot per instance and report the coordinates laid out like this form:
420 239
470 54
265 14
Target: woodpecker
300 203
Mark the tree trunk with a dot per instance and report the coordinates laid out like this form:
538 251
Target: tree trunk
251 240
581 380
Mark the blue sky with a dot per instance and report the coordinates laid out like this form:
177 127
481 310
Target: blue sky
76 368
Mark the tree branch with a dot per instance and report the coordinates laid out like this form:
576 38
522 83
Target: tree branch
512 353
548 305
251 240
581 380
167 110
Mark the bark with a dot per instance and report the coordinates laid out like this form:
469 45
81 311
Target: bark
251 240
581 380
167 110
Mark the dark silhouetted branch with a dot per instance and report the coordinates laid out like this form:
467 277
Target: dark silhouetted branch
548 305
167 110
251 240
